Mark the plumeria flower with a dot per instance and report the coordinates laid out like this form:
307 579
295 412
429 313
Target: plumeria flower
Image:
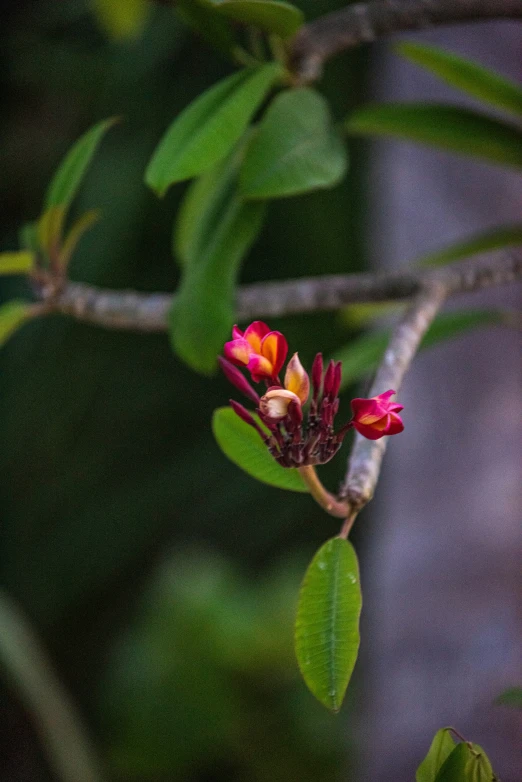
377 416
292 440
261 351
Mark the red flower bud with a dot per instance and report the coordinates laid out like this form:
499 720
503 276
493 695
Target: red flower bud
233 374
376 417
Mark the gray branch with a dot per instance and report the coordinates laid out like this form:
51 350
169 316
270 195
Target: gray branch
363 23
148 312
365 459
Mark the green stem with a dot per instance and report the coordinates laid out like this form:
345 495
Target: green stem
338 508
68 748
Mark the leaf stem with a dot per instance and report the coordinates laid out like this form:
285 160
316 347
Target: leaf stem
335 507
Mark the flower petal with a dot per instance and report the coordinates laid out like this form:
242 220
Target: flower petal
395 425
236 333
259 367
274 404
296 379
254 334
368 431
274 347
238 351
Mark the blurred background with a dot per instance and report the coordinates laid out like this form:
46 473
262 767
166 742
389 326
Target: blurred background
161 580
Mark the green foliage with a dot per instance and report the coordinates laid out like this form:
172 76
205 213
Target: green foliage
447 127
466 763
71 171
274 16
243 446
203 17
16 262
327 622
506 236
511 697
122 19
441 747
295 150
465 75
363 354
203 312
12 315
209 127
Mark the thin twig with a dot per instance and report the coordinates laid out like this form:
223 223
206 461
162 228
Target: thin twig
69 750
363 23
365 459
148 312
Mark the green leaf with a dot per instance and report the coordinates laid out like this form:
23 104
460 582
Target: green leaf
243 446
466 763
28 237
72 169
203 312
122 19
327 622
441 747
506 236
280 18
364 353
448 127
12 315
295 150
202 16
209 127
17 262
202 209
465 75
511 697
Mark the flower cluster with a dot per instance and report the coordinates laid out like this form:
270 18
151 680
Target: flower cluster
292 441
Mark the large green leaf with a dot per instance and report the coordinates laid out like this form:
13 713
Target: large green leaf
441 747
12 315
274 16
202 208
71 171
327 622
295 150
203 16
506 236
203 312
244 446
466 75
16 262
209 127
363 354
466 763
448 127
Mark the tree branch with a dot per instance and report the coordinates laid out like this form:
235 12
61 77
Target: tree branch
365 460
148 312
362 23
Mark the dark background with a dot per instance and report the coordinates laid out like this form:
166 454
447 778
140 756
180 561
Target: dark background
161 579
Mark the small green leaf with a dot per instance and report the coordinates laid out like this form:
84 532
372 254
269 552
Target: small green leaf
511 697
17 262
506 236
12 315
466 763
72 169
203 313
448 127
202 210
295 150
363 354
203 17
441 747
122 19
276 17
465 75
28 237
327 622
209 127
243 446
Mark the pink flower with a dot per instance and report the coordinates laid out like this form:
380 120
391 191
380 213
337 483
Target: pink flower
376 417
261 351
275 403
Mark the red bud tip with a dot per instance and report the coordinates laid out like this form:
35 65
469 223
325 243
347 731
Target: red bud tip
245 416
329 380
317 374
234 376
337 378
